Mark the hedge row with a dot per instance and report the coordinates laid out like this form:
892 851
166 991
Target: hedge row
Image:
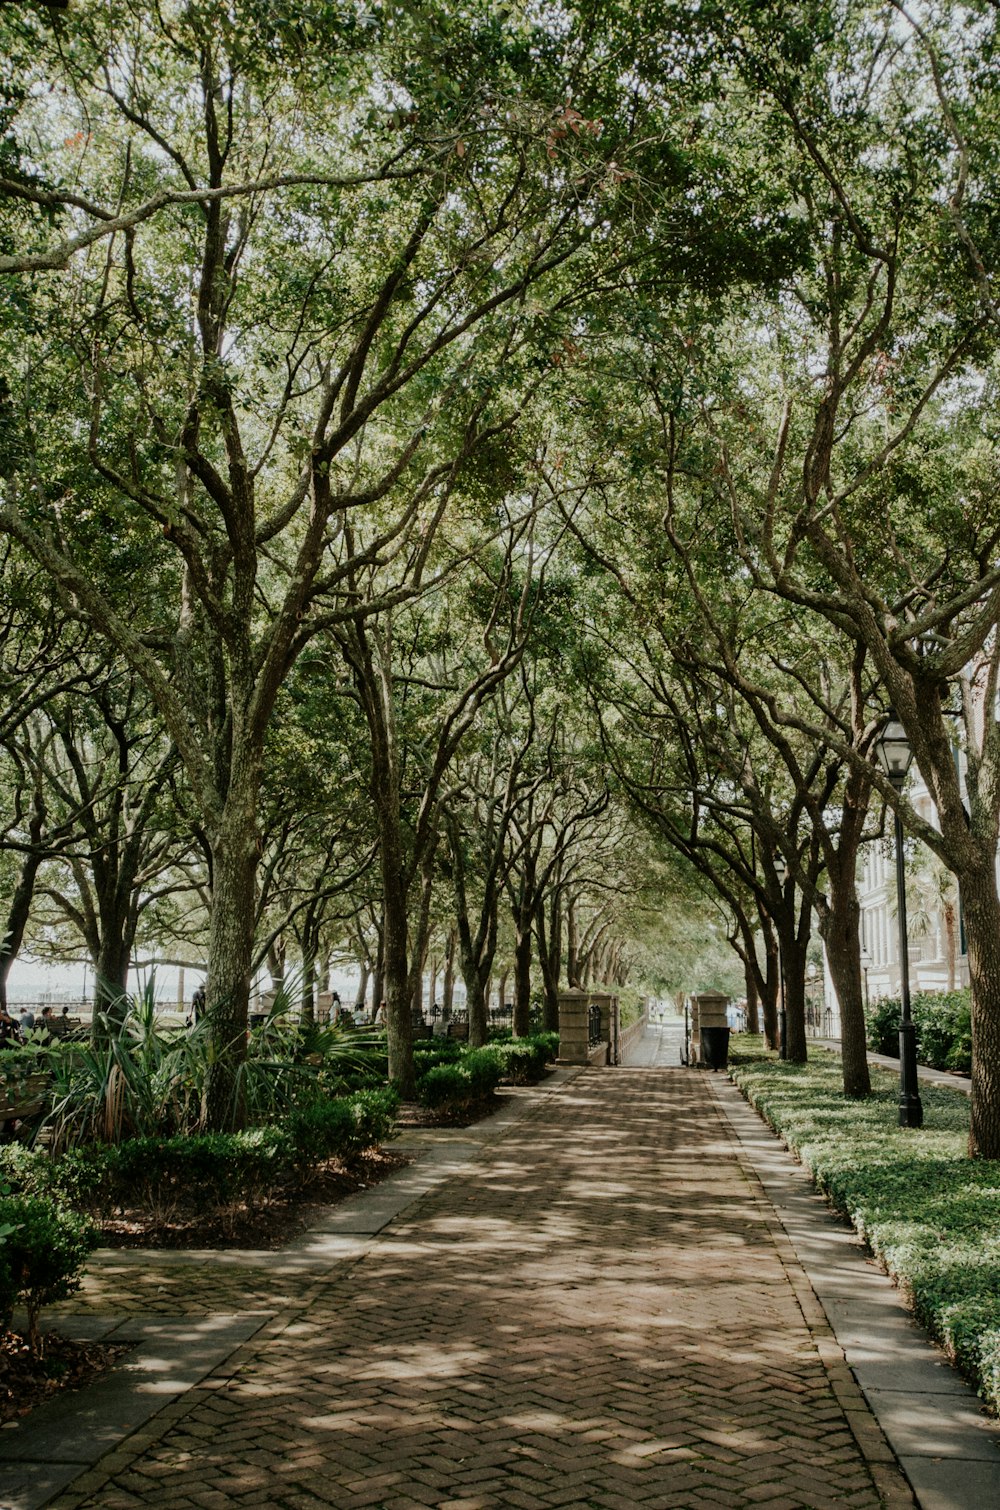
928 1212
943 1024
456 1077
202 1171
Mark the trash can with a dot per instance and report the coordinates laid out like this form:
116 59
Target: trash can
715 1047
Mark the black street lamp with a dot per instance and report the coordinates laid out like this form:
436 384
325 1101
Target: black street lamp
781 872
894 756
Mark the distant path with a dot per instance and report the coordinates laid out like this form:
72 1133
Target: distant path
660 1046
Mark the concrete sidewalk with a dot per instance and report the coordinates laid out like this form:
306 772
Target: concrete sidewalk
588 1301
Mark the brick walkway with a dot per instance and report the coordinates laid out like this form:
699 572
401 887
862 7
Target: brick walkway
595 1313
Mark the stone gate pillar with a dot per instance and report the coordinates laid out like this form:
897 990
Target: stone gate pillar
574 1029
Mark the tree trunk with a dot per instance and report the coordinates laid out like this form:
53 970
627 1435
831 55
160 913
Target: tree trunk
476 1000
20 903
753 1015
522 978
572 947
772 984
951 941
793 964
111 983
397 985
549 959
307 1000
982 931
448 985
363 985
230 963
276 964
840 928
417 998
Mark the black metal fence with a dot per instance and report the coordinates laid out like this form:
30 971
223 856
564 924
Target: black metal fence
594 1035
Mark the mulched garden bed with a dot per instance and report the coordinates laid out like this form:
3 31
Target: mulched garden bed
412 1114
270 1226
63 1365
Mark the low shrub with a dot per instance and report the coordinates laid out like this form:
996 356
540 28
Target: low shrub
445 1085
943 1021
440 1051
882 1025
485 1068
199 1172
525 1059
551 1042
190 1172
928 1212
339 1128
43 1249
943 1026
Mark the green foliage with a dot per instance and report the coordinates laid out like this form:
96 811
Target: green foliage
200 1172
942 1021
144 1079
44 1248
325 1129
928 1212
455 1077
445 1085
523 1060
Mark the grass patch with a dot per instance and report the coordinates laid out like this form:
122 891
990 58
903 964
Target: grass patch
929 1213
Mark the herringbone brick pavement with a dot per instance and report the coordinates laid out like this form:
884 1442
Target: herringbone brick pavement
599 1315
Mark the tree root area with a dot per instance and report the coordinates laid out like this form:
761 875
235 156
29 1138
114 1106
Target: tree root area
61 1365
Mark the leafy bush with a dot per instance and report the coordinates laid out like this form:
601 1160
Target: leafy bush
144 1078
484 1068
929 1213
523 1060
445 1085
518 1061
442 1051
326 1129
44 1248
942 1021
882 1023
551 1041
198 1172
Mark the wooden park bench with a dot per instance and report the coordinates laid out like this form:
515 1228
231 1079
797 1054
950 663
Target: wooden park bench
61 1027
24 1098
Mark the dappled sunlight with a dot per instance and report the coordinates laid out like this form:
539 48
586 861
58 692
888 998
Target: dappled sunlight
594 1308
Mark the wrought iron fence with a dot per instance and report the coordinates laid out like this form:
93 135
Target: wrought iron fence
594 1025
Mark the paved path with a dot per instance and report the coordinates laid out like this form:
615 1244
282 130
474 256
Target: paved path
587 1302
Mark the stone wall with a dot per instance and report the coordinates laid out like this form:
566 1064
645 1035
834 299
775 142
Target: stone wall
633 1033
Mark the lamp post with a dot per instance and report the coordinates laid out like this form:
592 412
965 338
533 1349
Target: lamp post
781 872
894 754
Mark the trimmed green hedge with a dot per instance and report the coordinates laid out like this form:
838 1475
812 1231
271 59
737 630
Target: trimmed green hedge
457 1078
942 1021
928 1212
204 1170
43 1248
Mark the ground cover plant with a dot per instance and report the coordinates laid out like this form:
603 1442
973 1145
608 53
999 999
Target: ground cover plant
929 1213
